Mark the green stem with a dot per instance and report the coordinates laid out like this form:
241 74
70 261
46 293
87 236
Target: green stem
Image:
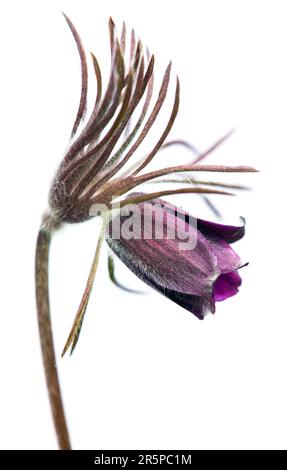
46 337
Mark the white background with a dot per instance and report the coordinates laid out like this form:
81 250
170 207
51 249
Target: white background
146 373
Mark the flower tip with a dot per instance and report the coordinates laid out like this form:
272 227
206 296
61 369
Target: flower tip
247 169
66 18
230 132
252 169
111 22
244 265
66 347
64 351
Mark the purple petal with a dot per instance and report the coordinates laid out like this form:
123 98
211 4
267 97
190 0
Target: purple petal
229 233
161 259
226 285
227 259
197 305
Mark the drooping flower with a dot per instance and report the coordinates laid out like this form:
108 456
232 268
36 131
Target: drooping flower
96 171
100 169
188 260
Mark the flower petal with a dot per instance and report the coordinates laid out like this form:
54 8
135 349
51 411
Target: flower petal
229 233
197 305
227 259
161 260
217 234
226 285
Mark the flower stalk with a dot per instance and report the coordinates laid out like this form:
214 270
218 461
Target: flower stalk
46 337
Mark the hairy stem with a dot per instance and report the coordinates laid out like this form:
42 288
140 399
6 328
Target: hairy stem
46 338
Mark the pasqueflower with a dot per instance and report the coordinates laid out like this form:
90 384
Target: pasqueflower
102 165
188 260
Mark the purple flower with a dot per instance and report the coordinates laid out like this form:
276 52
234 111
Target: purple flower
104 162
194 278
193 265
